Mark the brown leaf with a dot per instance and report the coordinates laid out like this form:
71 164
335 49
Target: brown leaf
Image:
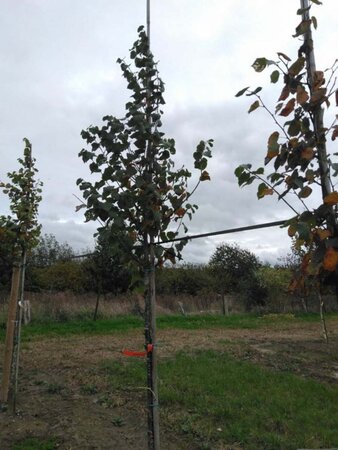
305 192
334 133
285 93
330 260
297 66
292 230
283 55
331 199
323 234
302 95
318 79
205 176
307 153
293 142
318 96
288 108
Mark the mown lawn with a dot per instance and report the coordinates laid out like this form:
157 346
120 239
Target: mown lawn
125 323
216 399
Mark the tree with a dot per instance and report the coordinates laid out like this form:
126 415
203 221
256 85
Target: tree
22 228
297 148
105 270
48 251
139 196
235 270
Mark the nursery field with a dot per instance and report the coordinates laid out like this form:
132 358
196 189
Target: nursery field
243 382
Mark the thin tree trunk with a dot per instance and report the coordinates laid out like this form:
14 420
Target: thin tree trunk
9 342
225 306
150 340
322 315
16 352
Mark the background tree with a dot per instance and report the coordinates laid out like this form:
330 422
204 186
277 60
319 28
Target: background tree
105 270
139 197
297 148
24 193
235 270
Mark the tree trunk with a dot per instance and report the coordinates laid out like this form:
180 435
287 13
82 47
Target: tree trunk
151 348
16 349
9 342
225 305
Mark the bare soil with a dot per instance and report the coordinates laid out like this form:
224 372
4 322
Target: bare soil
63 394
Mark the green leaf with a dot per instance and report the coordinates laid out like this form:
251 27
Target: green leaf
314 22
317 2
303 10
241 92
258 89
254 106
284 56
302 28
259 64
274 76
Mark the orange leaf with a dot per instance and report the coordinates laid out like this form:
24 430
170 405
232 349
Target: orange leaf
180 212
271 154
267 191
302 95
331 199
288 108
307 153
330 260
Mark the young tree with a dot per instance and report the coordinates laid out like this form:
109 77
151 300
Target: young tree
139 195
24 193
297 148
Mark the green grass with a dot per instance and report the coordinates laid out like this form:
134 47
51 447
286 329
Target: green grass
212 398
125 323
36 444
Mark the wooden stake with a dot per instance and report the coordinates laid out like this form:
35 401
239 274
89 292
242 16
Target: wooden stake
9 342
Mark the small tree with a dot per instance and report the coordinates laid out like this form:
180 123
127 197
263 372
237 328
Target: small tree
235 270
139 196
24 193
297 148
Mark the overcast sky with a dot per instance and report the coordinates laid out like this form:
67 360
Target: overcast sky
58 75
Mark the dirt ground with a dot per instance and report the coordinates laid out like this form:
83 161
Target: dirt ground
55 397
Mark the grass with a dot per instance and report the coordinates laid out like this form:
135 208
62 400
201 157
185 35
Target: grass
125 323
36 444
215 399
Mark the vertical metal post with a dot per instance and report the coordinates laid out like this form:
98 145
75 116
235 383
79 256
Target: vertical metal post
318 114
16 351
150 316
